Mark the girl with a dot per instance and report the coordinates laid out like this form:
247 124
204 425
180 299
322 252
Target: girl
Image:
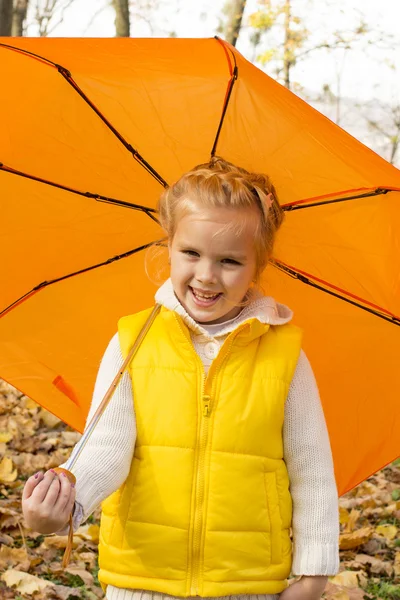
214 448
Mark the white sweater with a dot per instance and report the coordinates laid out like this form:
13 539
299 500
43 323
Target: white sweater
105 462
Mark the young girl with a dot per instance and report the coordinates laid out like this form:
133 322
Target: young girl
214 446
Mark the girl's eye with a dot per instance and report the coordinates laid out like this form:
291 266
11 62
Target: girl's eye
190 252
230 261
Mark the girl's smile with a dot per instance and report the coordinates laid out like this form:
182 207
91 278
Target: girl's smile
213 262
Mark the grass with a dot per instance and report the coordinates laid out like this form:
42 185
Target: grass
383 590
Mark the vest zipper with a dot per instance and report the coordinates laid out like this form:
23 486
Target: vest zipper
206 404
200 480
200 484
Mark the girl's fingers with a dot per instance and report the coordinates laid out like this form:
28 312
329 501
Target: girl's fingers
31 484
52 494
65 493
41 490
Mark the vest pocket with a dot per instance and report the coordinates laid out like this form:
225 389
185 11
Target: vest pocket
275 519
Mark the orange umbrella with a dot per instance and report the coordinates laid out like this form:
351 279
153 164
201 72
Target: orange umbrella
91 132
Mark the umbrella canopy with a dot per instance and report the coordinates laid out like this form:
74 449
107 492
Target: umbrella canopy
91 131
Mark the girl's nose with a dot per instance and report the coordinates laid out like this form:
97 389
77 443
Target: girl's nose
205 273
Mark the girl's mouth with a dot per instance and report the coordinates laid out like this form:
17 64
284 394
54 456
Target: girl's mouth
204 298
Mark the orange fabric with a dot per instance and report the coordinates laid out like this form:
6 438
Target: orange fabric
165 98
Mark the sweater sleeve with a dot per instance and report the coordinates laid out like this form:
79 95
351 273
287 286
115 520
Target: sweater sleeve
308 457
105 461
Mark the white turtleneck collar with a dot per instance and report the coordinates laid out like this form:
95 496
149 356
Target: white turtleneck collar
263 308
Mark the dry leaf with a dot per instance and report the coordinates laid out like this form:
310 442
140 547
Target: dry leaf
48 418
343 515
355 538
7 473
387 531
70 438
352 520
58 541
5 436
349 579
377 566
88 532
86 577
24 582
338 592
397 564
63 592
31 404
14 557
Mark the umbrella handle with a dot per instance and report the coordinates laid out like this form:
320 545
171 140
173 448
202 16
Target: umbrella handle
96 417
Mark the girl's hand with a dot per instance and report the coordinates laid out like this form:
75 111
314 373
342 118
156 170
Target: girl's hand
306 588
47 501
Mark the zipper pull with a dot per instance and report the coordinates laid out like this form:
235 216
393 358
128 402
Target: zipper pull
206 406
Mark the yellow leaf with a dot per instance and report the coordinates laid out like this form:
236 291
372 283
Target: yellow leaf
397 564
353 518
343 515
48 418
341 595
88 532
5 436
6 470
387 531
31 404
349 579
355 538
23 582
12 557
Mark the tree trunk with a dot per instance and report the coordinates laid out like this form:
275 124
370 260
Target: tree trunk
122 21
19 16
6 13
287 50
234 22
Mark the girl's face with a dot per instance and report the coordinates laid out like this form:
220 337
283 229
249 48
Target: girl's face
211 270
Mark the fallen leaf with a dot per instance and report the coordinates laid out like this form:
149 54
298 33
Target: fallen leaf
387 531
338 592
7 473
88 532
70 438
5 436
397 564
377 566
352 520
14 557
343 515
349 579
24 582
355 538
86 577
63 592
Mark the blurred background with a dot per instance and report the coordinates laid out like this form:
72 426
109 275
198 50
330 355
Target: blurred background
341 56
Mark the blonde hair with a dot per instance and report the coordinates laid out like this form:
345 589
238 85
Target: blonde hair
222 184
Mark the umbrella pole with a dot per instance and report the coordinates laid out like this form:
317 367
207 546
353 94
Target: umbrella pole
96 417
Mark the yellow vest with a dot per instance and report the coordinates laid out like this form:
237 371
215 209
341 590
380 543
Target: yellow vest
206 508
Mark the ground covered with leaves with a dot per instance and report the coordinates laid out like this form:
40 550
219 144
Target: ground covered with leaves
31 439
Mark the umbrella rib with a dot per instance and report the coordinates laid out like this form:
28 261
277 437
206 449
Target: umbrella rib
97 197
371 193
70 80
344 295
45 284
234 75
